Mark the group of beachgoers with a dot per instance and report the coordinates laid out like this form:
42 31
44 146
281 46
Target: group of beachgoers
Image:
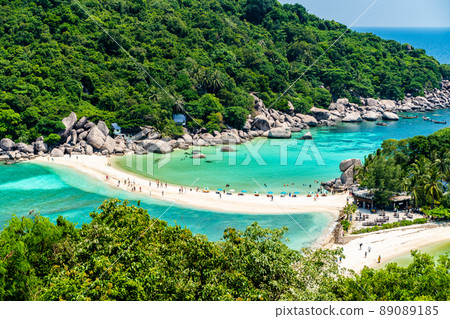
369 249
131 185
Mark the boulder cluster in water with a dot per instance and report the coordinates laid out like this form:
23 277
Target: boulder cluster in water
84 137
348 169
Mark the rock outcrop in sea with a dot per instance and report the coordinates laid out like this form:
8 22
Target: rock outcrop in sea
349 169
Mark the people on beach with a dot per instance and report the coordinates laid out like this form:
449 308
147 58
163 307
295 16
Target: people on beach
379 259
360 246
365 254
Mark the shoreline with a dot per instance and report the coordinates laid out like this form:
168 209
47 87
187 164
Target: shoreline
390 244
97 167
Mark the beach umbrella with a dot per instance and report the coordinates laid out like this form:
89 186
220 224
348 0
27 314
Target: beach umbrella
220 189
256 192
231 190
244 191
206 188
297 193
283 193
269 192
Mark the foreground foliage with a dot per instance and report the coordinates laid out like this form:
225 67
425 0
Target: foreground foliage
208 55
124 254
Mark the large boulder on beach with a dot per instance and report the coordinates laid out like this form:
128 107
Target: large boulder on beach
280 133
187 139
69 123
348 167
81 123
371 102
420 100
388 105
353 117
308 119
88 125
73 136
82 136
371 116
56 152
7 144
389 116
344 102
96 138
156 146
261 123
103 128
24 148
89 150
109 145
230 138
320 114
347 176
200 142
346 164
40 146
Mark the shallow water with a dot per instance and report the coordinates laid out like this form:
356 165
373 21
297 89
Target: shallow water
55 190
279 163
434 250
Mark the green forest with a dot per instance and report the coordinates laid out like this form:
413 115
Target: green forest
125 254
419 165
207 55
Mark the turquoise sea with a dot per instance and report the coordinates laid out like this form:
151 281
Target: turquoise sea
435 41
54 190
279 163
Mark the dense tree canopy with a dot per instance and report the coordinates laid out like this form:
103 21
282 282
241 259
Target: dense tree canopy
420 165
55 59
124 254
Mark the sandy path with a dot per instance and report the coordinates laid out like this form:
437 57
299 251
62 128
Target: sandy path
97 167
390 244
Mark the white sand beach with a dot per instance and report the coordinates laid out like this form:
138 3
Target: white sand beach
97 167
390 244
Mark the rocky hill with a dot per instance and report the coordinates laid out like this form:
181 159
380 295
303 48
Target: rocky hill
208 56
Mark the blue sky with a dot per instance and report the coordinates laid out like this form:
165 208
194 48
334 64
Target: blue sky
385 13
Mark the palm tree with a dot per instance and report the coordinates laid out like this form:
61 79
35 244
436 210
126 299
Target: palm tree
433 187
363 171
213 80
416 180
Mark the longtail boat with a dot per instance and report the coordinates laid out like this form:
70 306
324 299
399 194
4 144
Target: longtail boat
439 122
408 117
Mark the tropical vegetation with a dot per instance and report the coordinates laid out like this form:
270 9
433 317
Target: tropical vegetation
202 56
125 254
419 165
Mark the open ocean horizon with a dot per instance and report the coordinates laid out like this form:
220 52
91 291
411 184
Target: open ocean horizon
435 41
